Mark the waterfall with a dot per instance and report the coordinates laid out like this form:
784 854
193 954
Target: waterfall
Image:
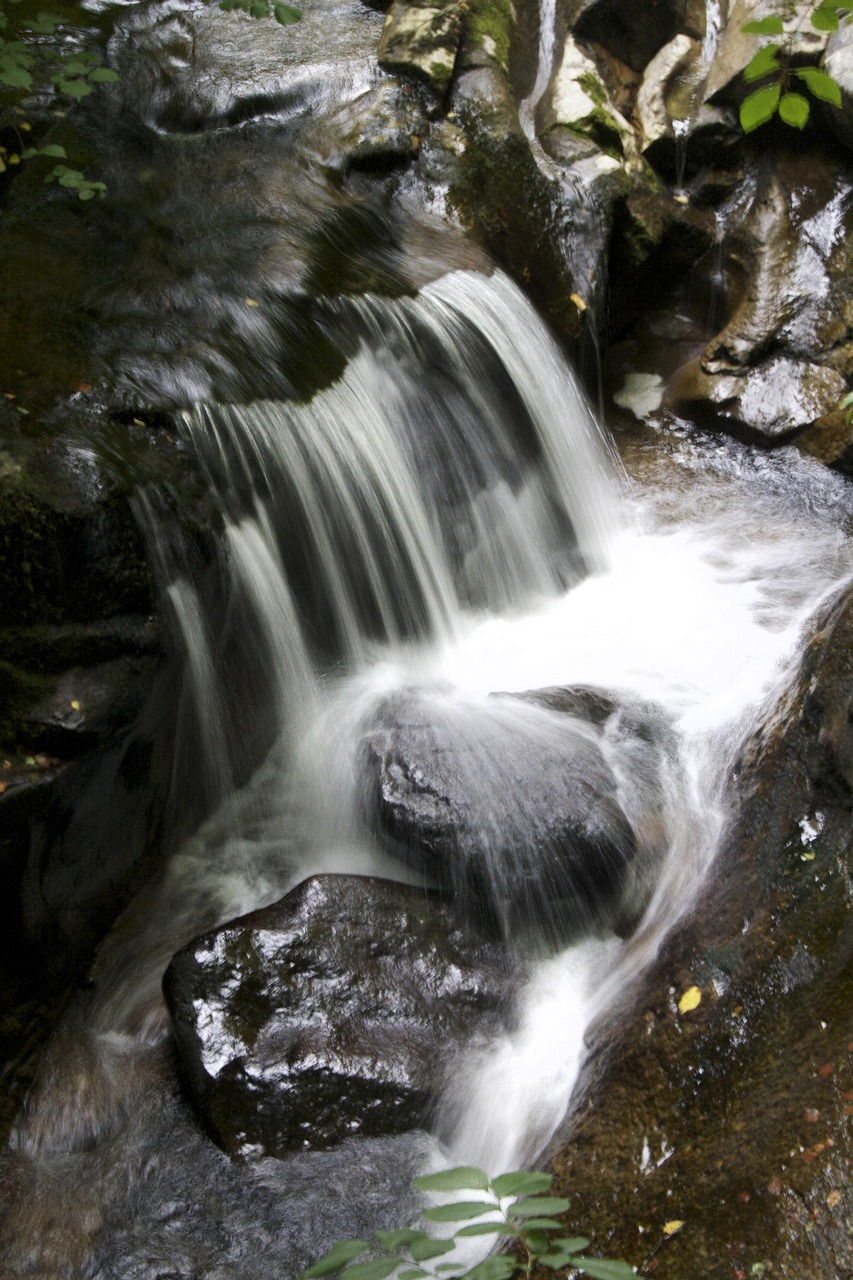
442 524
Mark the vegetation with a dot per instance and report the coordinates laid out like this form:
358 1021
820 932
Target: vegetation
521 1213
780 83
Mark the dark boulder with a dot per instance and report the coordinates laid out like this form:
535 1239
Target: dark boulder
336 1012
510 807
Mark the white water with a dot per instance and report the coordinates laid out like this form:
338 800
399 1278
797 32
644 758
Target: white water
697 594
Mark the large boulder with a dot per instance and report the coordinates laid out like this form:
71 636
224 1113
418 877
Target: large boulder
511 806
729 1118
339 1011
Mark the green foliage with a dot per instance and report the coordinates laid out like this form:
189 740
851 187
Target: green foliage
771 63
286 14
847 405
518 1209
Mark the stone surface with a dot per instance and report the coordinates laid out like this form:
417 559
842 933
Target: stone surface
634 31
735 49
508 805
338 1011
665 91
422 40
732 1118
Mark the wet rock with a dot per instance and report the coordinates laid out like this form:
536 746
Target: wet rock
186 68
578 102
838 62
735 49
779 397
634 32
668 88
422 40
382 126
338 1011
509 807
741 1104
781 361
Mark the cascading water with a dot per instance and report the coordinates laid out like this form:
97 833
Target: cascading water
440 525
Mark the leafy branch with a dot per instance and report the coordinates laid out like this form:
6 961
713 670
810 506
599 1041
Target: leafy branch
770 67
519 1212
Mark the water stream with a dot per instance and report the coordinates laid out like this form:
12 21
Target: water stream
445 518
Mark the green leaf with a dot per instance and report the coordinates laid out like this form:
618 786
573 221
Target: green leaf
825 18
847 401
499 1268
488 1229
44 24
373 1269
457 1212
28 153
521 1184
794 109
759 107
104 75
412 1273
286 14
536 1241
570 1244
770 26
391 1241
537 1206
762 63
819 84
76 89
603 1269
16 77
86 193
53 149
423 1250
462 1178
341 1253
543 1224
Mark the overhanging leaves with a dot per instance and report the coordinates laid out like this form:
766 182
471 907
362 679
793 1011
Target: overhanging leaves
759 107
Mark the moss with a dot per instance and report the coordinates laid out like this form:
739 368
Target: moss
492 20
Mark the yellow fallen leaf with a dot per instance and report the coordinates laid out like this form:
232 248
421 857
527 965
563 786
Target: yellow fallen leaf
252 302
690 1000
14 158
833 1199
671 1228
681 198
137 422
578 301
75 705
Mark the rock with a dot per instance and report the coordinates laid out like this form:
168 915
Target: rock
780 362
422 40
667 91
510 808
735 49
338 1011
634 31
185 68
577 101
838 62
384 125
781 396
741 1103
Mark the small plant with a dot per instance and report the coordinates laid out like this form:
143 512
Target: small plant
847 405
780 82
520 1211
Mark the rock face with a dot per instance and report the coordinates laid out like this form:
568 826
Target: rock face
336 1012
509 806
732 1117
